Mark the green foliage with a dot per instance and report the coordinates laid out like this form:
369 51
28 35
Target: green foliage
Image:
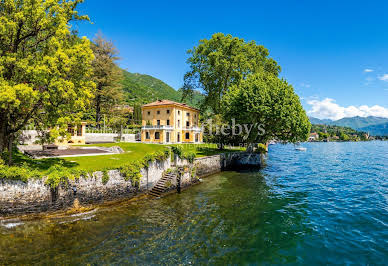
45 70
105 177
22 173
193 172
141 89
137 116
177 150
183 154
334 133
59 174
262 148
131 171
189 156
270 105
107 76
221 62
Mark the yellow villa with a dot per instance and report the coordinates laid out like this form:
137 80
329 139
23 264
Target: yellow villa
165 121
77 135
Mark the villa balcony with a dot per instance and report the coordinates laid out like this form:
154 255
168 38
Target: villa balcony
158 127
195 129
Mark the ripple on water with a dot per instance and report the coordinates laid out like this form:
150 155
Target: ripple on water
328 205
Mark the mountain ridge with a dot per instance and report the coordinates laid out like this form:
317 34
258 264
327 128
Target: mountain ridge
377 126
142 88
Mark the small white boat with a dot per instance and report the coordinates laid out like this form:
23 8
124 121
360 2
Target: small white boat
301 149
272 142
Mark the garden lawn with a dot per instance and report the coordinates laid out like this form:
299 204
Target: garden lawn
132 152
206 149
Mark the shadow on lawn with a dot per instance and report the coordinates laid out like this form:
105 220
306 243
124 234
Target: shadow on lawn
41 164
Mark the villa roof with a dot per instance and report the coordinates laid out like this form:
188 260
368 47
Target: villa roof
168 102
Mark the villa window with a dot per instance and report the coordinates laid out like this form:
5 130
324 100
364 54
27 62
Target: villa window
179 123
188 114
195 116
149 113
158 112
168 111
157 135
179 112
147 135
79 131
158 122
168 122
187 135
187 123
70 129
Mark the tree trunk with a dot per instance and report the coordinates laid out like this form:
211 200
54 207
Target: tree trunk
10 146
98 110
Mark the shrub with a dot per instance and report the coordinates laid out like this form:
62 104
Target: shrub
262 148
58 174
105 177
131 171
18 173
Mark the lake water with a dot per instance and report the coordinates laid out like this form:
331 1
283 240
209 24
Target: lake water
327 205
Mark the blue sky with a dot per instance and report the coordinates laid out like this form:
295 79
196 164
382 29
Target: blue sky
335 53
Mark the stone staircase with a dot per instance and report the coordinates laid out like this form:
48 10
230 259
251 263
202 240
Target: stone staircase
160 186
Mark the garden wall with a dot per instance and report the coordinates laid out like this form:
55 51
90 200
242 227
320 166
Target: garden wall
17 197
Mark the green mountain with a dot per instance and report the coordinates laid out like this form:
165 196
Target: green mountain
142 89
317 121
360 122
377 130
377 126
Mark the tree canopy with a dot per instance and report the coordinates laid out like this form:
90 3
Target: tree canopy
221 62
45 70
270 106
107 76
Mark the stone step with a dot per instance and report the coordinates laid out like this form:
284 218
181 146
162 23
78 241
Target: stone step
154 194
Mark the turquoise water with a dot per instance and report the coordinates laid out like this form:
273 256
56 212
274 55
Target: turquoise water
327 205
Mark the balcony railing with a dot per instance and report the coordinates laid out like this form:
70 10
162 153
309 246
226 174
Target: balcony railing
193 128
157 127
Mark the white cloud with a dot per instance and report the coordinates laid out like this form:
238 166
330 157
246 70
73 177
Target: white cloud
384 77
305 85
328 108
368 70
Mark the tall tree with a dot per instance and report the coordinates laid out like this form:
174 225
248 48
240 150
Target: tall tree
137 114
270 106
220 62
107 76
45 71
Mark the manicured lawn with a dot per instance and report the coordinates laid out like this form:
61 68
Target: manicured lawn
133 151
206 149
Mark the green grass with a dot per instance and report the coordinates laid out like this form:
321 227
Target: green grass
206 149
132 152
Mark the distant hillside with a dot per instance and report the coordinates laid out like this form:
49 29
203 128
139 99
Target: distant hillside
317 121
141 88
360 122
373 125
377 130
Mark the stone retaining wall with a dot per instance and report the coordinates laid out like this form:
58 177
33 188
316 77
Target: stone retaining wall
17 197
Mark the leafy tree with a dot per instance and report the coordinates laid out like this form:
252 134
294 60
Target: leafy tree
107 76
270 106
137 115
221 62
323 135
45 70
